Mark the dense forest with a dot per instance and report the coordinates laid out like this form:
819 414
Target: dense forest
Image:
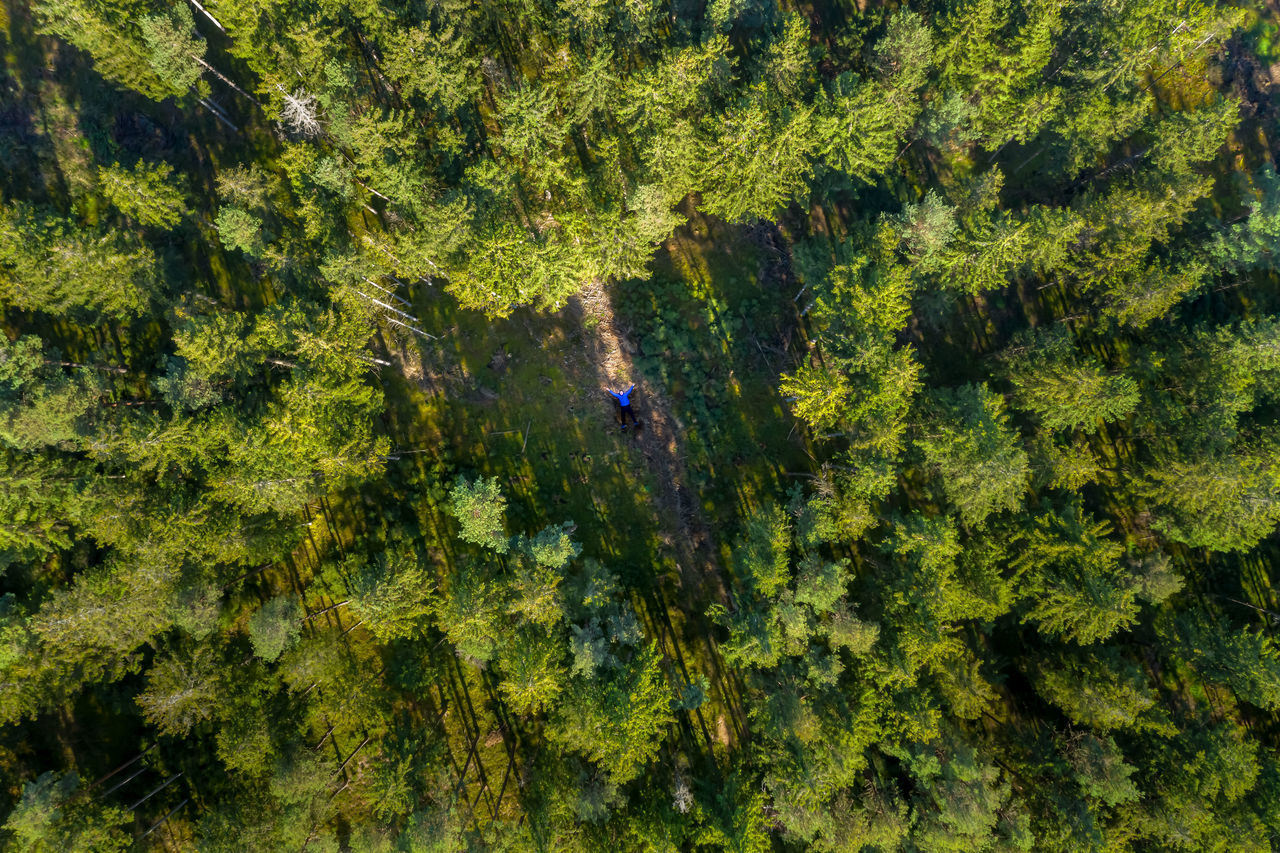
955 330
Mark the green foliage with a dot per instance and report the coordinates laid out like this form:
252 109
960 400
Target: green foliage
393 596
479 506
1251 244
1100 768
533 671
104 31
553 548
176 51
244 742
275 626
38 518
240 229
1073 581
1223 503
536 595
925 229
737 820
55 814
861 122
961 798
821 584
470 613
182 691
1246 661
617 723
144 193
865 384
763 553
50 264
1104 691
1067 391
1069 467
761 157
1008 591
969 444
819 395
41 404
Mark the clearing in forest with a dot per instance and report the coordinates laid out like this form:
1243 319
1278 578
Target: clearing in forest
523 399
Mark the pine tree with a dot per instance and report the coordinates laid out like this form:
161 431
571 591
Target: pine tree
55 813
104 31
275 626
1223 502
1064 389
533 670
145 193
1104 691
1246 661
176 52
759 161
617 721
479 508
49 264
1251 243
1100 768
861 122
41 404
392 595
182 691
974 453
1072 576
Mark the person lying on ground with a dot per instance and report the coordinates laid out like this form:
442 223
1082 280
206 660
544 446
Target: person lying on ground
624 405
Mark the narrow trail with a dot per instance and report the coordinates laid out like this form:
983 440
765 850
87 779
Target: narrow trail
610 349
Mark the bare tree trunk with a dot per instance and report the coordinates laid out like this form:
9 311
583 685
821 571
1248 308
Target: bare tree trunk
353 754
402 301
216 73
219 114
205 12
125 781
123 766
382 304
170 814
326 610
156 790
396 322
102 367
323 739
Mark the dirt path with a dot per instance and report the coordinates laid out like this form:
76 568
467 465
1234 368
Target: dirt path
610 351
609 347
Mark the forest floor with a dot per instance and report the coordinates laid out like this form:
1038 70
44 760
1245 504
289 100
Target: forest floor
609 349
522 399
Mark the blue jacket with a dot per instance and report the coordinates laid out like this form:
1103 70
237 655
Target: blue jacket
624 399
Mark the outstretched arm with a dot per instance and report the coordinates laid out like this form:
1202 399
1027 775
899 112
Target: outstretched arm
632 388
